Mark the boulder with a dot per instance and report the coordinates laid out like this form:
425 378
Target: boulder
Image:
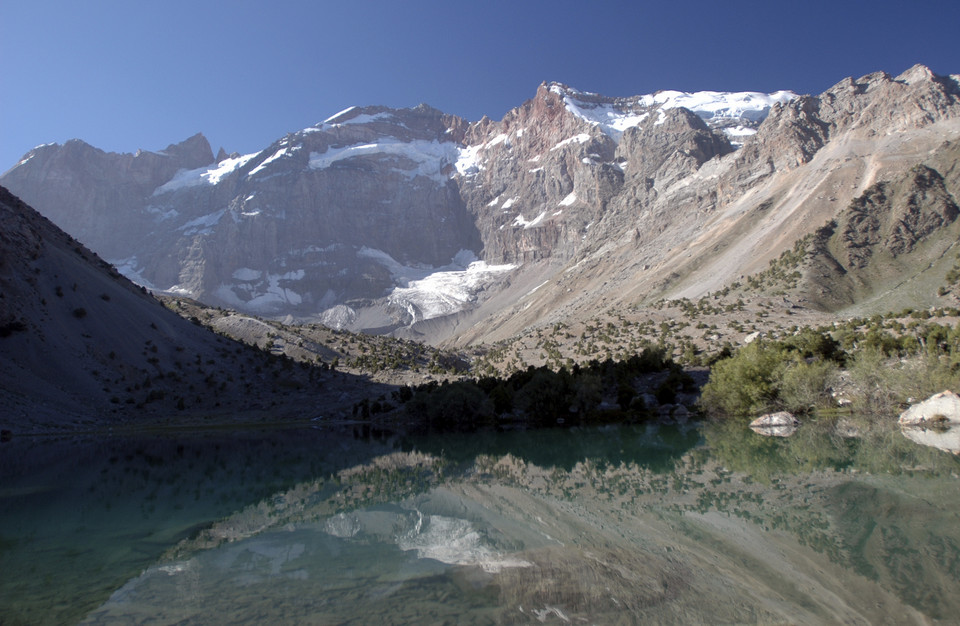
941 409
780 424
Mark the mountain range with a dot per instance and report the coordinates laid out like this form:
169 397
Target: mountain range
425 225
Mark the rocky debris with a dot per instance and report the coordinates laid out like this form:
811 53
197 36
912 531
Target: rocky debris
780 424
940 410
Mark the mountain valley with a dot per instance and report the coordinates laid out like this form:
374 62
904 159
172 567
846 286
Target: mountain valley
578 228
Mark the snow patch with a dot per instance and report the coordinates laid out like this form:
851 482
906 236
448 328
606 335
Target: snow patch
581 138
247 274
430 157
204 175
427 292
277 155
610 120
738 134
468 160
336 115
260 293
569 199
520 221
130 268
162 214
203 224
536 288
711 106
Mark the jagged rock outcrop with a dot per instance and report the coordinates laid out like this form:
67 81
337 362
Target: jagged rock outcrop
325 216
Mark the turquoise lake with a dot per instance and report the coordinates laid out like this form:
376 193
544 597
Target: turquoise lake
843 522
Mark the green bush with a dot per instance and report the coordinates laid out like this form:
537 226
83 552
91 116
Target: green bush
806 386
743 383
795 375
547 396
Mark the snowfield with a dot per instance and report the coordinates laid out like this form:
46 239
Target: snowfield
208 175
426 293
714 107
430 157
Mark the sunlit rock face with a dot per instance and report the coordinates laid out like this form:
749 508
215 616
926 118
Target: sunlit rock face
378 218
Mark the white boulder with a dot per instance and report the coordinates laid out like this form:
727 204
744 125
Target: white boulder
941 409
780 424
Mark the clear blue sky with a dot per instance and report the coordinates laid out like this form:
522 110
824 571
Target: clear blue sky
127 74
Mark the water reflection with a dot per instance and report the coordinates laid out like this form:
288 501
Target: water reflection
842 522
946 439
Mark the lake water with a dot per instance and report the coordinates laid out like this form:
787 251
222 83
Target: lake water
843 522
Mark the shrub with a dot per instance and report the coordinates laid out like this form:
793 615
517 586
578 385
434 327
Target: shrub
805 386
547 396
795 374
453 406
743 383
883 383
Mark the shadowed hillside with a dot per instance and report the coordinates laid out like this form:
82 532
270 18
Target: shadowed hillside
81 346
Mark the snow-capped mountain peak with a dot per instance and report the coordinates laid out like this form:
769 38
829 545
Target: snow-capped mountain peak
736 111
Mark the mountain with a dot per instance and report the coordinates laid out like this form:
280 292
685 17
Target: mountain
687 222
422 224
83 347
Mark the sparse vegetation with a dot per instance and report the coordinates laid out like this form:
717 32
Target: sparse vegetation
874 364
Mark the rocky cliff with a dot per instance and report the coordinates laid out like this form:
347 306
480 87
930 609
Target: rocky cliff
380 218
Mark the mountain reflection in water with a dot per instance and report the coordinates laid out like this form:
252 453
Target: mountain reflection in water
842 522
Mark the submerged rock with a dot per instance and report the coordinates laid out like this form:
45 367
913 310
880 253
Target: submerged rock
940 409
780 424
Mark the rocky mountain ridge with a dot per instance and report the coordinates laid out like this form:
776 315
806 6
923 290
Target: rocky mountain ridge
424 224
